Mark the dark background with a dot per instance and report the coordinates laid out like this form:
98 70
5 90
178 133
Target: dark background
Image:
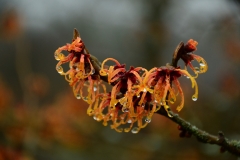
41 119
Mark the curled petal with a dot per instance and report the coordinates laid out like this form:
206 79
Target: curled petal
105 72
77 89
166 89
75 46
149 75
114 92
203 64
180 106
194 83
112 77
171 95
137 76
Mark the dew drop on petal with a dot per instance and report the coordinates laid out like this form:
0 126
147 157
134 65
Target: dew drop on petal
201 63
197 69
148 120
143 105
78 96
171 100
135 130
194 98
85 98
94 89
59 69
95 117
56 55
144 90
93 71
129 121
125 109
77 69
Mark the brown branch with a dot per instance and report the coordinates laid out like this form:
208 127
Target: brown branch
176 55
232 146
202 136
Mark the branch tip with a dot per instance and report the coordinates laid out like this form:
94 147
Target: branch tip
75 33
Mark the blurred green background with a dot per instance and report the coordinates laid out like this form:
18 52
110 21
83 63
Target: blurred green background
41 119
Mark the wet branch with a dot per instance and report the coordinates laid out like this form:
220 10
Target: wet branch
231 146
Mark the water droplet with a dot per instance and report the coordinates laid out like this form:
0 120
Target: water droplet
148 120
138 96
59 69
197 69
172 100
78 96
201 63
194 98
94 89
143 105
144 90
187 77
125 109
95 117
155 101
85 98
135 130
129 121
56 55
93 71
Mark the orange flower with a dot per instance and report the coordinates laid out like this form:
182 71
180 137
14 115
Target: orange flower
127 99
159 80
190 47
79 62
81 70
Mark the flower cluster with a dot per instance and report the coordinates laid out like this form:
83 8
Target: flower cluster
136 93
81 73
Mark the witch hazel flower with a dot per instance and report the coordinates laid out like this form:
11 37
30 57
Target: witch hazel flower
80 71
128 99
189 48
162 81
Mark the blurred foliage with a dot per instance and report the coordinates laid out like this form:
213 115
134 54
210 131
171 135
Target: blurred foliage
41 119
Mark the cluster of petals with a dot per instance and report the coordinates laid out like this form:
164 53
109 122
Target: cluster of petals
81 73
189 48
136 94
